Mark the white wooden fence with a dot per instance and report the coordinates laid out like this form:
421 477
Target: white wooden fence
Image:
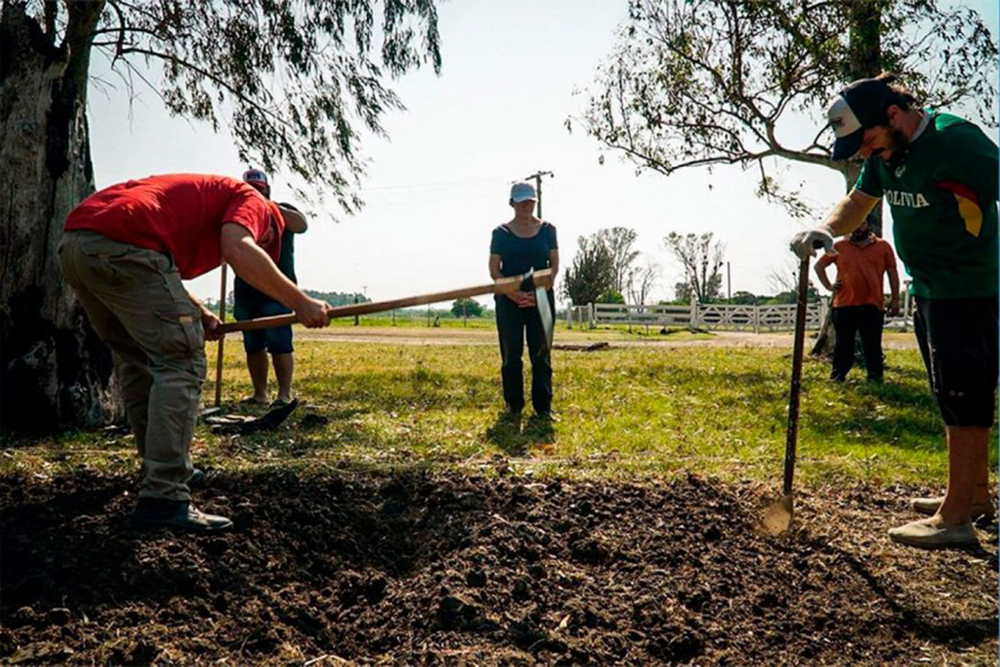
713 316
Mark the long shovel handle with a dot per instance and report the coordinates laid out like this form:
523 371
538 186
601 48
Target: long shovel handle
793 397
501 286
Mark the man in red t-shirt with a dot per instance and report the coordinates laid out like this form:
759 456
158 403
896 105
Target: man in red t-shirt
125 251
858 300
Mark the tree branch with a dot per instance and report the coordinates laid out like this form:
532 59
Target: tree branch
222 83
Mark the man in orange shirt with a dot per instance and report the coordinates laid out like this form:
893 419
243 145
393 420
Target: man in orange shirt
858 301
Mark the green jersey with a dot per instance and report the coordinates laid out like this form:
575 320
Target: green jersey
943 198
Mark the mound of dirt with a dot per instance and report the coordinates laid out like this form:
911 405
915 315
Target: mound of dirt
435 568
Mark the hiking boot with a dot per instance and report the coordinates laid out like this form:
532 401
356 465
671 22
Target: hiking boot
924 535
177 514
929 506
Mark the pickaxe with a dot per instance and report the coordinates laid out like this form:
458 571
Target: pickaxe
536 281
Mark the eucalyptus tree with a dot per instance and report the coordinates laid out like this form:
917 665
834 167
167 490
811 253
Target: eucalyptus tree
295 82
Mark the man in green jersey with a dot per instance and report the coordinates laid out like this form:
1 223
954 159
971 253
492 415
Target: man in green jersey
939 175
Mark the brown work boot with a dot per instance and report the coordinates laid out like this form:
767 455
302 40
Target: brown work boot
180 514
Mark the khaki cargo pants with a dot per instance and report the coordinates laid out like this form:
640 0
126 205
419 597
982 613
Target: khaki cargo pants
138 306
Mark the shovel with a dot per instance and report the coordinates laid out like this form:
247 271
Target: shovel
533 281
778 516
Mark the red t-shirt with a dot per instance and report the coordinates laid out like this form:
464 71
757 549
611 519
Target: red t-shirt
179 214
861 271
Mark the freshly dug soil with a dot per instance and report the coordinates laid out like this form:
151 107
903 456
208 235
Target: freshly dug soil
435 568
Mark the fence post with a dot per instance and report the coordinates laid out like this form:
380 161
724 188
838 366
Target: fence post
590 315
756 318
694 311
823 306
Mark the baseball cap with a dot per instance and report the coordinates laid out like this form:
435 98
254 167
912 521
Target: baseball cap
520 192
859 107
255 176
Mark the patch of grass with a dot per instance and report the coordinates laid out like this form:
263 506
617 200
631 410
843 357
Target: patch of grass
626 411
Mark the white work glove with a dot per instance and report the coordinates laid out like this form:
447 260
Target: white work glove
804 244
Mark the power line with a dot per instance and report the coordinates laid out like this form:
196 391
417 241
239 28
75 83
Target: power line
435 184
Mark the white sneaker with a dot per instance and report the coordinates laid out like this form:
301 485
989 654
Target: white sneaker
924 535
929 506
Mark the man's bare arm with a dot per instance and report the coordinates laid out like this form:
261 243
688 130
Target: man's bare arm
253 265
846 216
893 291
295 222
849 213
820 269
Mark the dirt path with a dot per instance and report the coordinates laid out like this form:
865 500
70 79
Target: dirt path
450 336
437 569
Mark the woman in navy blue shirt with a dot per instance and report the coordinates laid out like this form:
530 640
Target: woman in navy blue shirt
523 243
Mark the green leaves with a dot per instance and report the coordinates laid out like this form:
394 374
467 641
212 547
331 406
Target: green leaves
293 79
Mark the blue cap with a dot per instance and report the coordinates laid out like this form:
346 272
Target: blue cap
520 192
255 176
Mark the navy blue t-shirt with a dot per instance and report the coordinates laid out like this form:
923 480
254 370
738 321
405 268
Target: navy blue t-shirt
518 255
246 294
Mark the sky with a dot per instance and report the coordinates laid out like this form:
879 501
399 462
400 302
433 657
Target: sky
439 185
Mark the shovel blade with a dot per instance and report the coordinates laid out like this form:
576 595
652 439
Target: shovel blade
778 516
545 313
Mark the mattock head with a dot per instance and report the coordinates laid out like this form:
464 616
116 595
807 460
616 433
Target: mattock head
541 303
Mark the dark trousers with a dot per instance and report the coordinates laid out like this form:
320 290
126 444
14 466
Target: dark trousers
867 321
512 324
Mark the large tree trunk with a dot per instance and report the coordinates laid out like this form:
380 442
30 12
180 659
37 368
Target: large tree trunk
54 372
864 61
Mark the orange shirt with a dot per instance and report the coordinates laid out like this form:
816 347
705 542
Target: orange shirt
179 214
860 271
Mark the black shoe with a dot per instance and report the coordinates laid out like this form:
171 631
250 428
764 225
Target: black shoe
197 480
177 514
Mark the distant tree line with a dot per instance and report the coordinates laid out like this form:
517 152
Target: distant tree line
338 298
607 269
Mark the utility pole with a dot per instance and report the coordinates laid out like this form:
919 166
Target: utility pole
537 178
729 283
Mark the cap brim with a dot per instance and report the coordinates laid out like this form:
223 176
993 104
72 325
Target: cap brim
847 147
518 200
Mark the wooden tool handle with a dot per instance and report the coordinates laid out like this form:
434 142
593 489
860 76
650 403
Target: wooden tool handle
798 345
541 278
